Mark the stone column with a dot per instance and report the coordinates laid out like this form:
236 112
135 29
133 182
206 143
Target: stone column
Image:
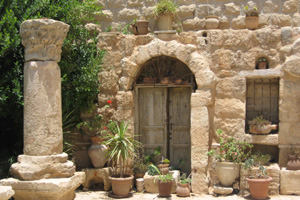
43 139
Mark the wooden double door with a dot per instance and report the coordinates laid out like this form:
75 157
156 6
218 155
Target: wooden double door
164 121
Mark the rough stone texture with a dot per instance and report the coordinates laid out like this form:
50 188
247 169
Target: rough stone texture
43 39
262 139
6 192
94 176
232 9
128 14
289 182
151 182
46 189
42 108
187 11
272 170
221 190
106 15
39 167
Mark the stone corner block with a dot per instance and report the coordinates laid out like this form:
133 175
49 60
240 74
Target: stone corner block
6 192
46 189
201 98
289 182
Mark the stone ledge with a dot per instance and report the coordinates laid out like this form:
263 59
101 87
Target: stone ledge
46 189
271 139
6 192
263 73
289 182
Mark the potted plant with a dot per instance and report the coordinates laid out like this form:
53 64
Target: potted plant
183 187
140 27
95 127
259 125
230 155
164 166
262 63
165 11
121 150
164 182
293 159
212 22
252 17
140 166
258 180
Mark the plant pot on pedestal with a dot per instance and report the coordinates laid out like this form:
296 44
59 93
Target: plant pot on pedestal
227 172
97 152
165 22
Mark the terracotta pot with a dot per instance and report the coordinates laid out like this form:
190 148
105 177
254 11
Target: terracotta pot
227 172
259 187
165 22
251 22
121 186
163 168
164 189
165 80
97 152
262 65
149 80
140 27
212 22
183 190
293 163
266 129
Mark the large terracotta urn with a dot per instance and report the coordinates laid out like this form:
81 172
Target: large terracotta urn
227 172
97 152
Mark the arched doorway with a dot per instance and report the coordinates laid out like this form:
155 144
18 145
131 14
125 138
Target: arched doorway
164 110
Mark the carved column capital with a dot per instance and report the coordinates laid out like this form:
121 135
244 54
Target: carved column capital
43 39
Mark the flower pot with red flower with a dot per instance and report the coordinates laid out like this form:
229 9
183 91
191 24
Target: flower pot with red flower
96 127
229 156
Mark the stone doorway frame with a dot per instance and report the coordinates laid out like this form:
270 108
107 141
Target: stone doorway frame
201 99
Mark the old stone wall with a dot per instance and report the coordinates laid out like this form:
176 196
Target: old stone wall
192 13
222 61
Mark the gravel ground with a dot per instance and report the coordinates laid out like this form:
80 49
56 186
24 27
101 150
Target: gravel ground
97 195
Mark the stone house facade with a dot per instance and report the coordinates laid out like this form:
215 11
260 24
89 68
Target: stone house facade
226 90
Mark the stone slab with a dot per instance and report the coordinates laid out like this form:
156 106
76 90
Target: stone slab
6 192
289 182
46 189
270 139
94 176
222 190
151 184
41 167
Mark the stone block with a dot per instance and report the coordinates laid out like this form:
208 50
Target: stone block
199 162
6 192
270 7
187 38
124 99
238 23
296 20
231 127
286 35
224 23
128 14
46 189
234 87
151 182
97 175
109 81
39 167
148 12
105 15
222 190
230 108
289 182
135 3
272 171
296 48
232 9
193 24
205 9
187 11
116 3
201 98
199 116
290 6
199 183
215 37
271 139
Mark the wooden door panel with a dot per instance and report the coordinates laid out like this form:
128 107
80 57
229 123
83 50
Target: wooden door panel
152 114
179 127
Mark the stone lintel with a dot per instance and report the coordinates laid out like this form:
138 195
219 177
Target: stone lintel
6 192
46 189
41 167
270 139
263 73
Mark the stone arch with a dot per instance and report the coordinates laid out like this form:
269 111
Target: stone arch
187 54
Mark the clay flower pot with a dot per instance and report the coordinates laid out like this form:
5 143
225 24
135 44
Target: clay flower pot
251 22
163 168
140 27
212 22
227 172
149 80
164 189
121 186
165 22
259 187
266 129
97 152
183 190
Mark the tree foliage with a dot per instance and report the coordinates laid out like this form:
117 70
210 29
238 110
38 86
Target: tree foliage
80 62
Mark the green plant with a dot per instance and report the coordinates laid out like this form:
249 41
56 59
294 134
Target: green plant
251 11
184 179
260 158
259 121
154 157
140 164
162 178
121 146
166 161
231 150
261 174
165 7
152 170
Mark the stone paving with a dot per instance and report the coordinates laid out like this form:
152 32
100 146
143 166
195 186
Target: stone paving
97 195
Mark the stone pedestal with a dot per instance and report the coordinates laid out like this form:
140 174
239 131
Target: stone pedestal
222 190
151 182
289 182
6 192
94 176
45 189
